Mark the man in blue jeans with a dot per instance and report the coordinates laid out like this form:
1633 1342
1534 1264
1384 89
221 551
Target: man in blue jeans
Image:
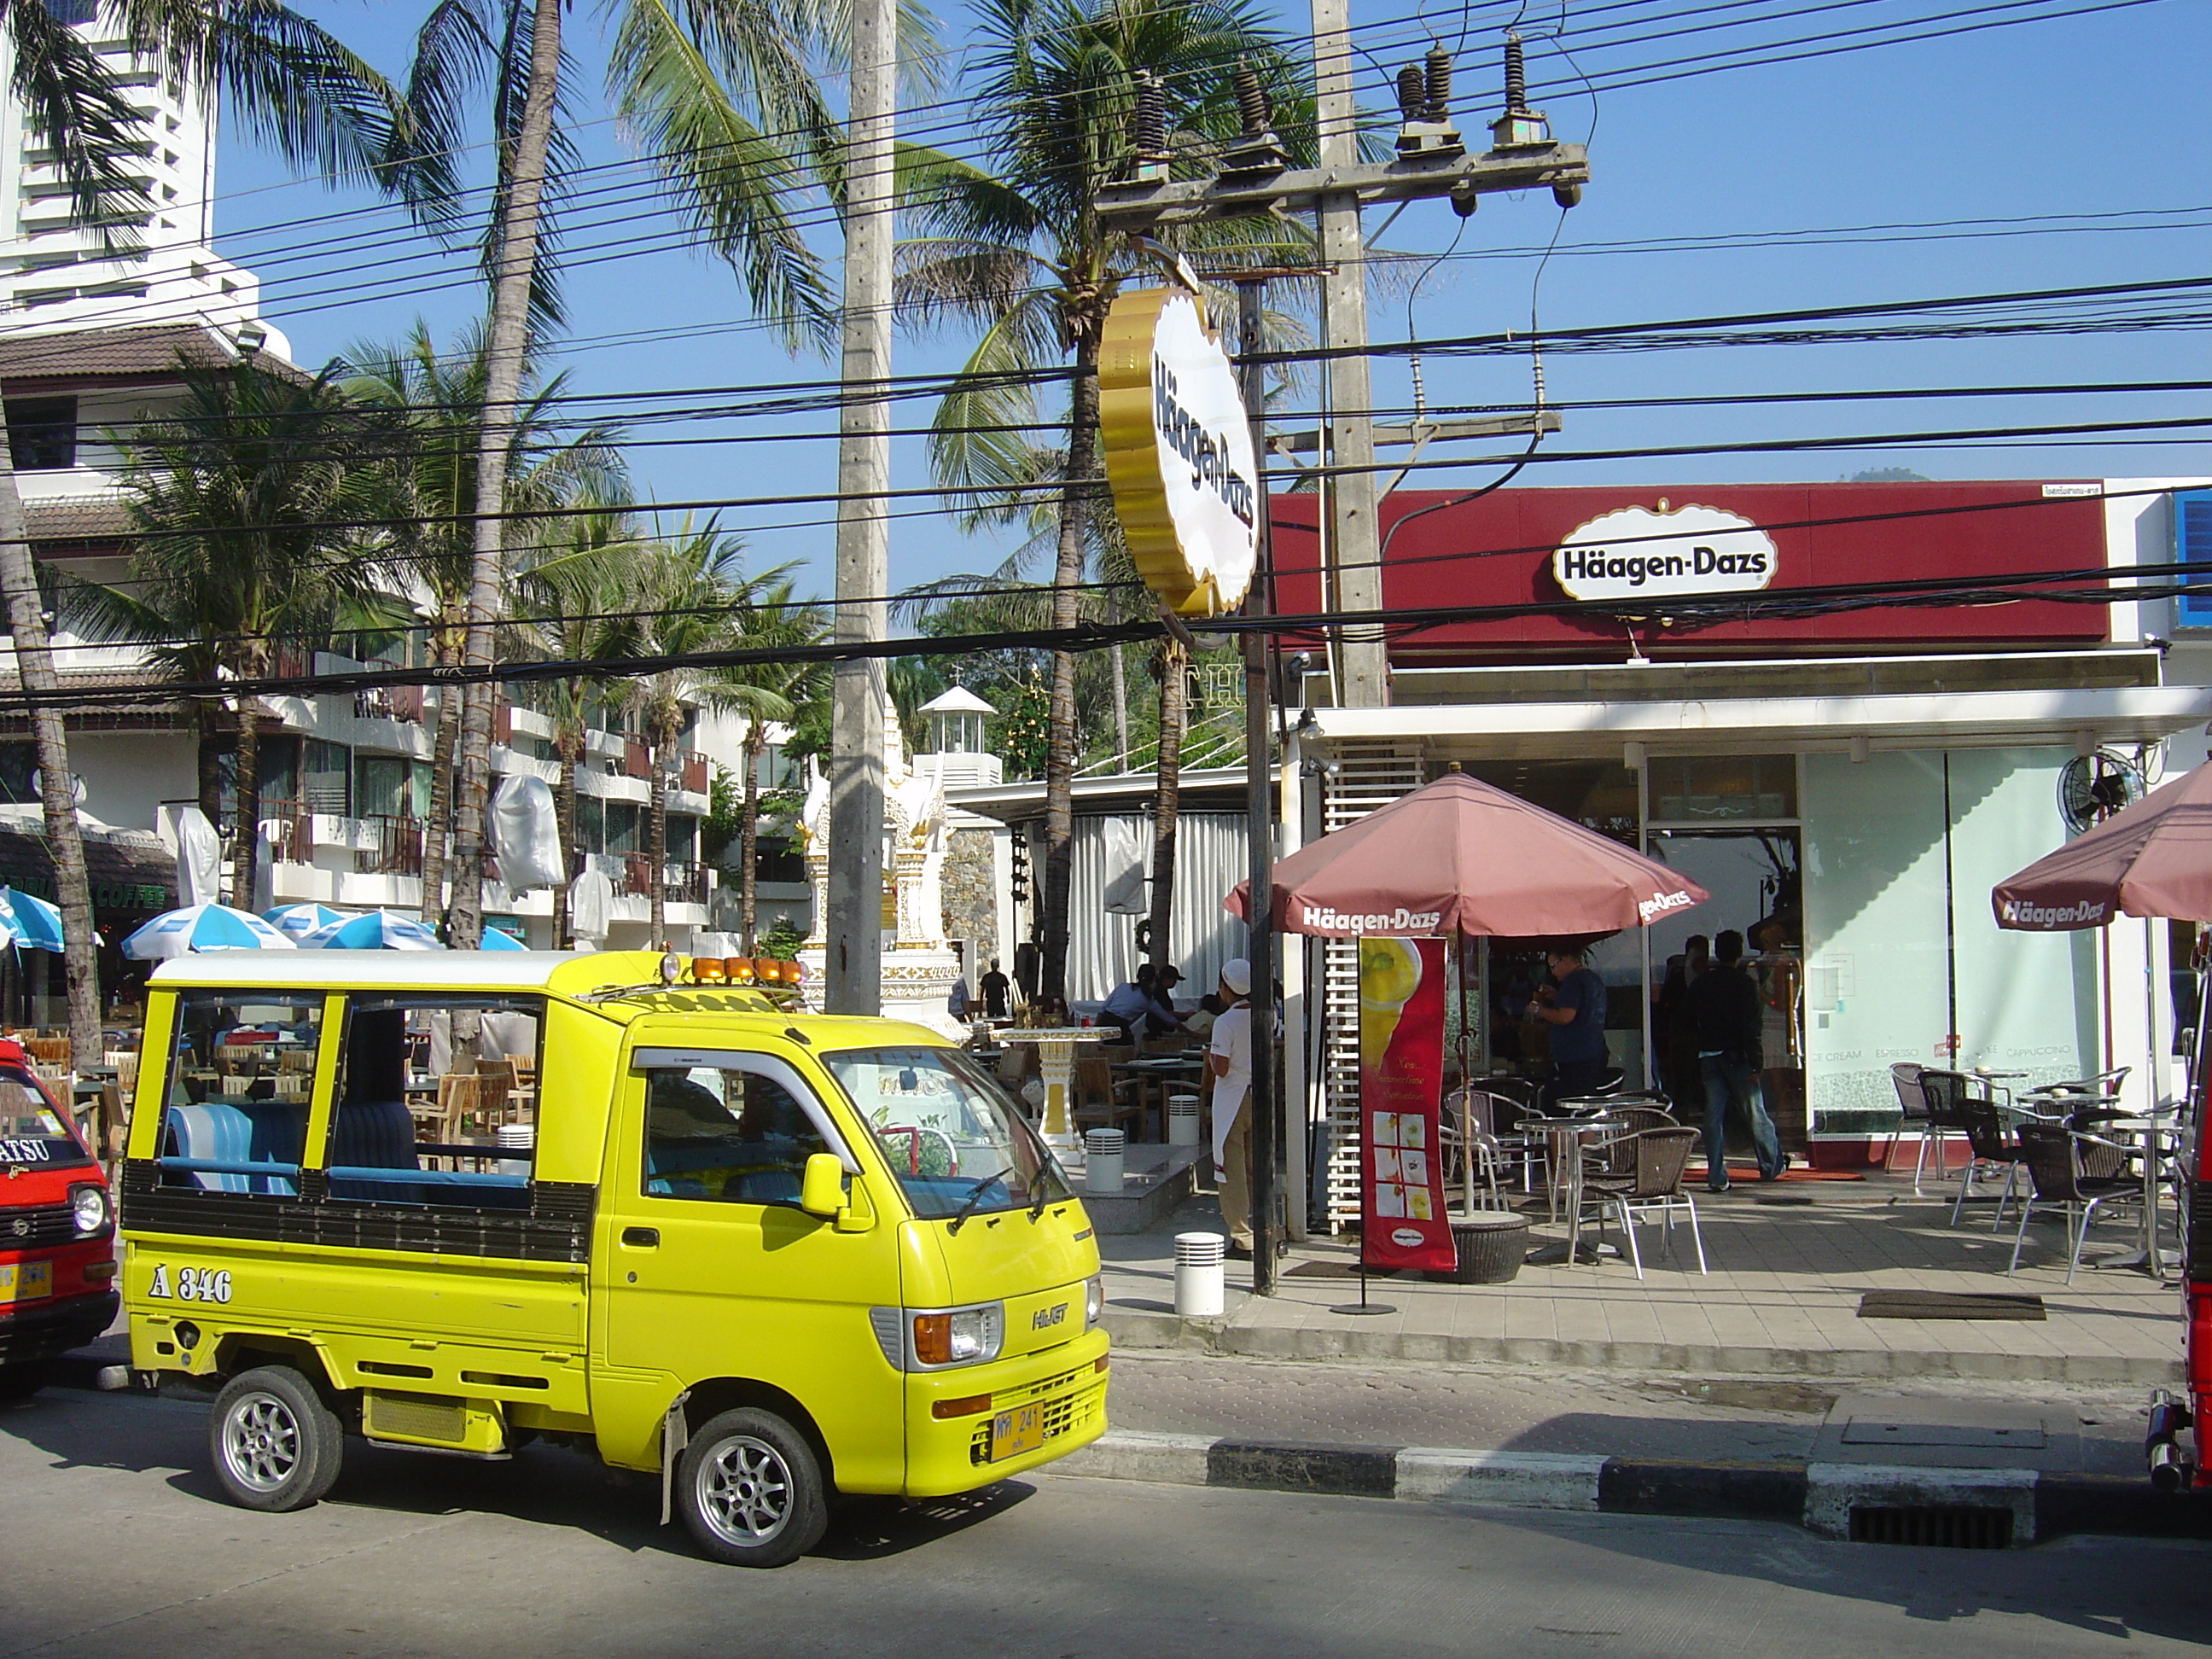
1724 1013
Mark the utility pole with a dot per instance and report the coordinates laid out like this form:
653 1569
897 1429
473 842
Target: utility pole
853 930
1266 1104
1363 673
1431 161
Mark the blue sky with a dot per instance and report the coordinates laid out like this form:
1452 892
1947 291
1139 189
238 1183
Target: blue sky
2094 115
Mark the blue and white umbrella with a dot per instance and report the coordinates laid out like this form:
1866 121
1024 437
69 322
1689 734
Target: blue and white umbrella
202 927
492 940
296 921
379 930
28 922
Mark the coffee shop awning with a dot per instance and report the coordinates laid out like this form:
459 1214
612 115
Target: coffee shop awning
132 873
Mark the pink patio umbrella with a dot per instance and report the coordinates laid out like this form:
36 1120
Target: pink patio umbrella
2153 859
1461 856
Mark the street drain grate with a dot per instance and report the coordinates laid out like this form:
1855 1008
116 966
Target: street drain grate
1934 1527
1950 1304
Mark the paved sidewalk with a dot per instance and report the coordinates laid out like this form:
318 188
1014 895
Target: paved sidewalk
1789 1266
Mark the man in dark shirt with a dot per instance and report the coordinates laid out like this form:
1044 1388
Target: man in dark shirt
1724 1011
1575 1010
994 986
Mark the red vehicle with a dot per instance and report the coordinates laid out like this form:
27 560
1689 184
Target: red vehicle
57 1231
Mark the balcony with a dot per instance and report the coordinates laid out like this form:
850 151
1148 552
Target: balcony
680 884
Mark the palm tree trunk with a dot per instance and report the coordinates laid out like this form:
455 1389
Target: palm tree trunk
438 824
569 745
1060 737
656 831
1117 678
245 784
210 761
754 745
1167 795
506 339
34 668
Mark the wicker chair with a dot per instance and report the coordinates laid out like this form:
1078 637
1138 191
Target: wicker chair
1947 1094
1994 1147
1616 1156
1653 1184
1912 1109
2056 1175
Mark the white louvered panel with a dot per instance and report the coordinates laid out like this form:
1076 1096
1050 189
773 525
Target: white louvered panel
1372 775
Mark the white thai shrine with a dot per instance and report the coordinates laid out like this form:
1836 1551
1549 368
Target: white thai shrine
919 965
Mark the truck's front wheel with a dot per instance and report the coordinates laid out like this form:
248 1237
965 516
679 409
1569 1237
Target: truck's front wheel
275 1444
751 1490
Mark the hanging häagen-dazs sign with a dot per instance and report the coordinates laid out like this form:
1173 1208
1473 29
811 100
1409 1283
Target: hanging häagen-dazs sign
1179 453
1634 553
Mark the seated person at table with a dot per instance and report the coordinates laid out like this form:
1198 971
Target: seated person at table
1199 1022
1140 1007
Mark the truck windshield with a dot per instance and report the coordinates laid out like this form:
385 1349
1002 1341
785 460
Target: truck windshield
31 1130
952 1138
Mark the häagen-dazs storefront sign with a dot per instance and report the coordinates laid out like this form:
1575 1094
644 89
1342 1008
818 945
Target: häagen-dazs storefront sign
1635 553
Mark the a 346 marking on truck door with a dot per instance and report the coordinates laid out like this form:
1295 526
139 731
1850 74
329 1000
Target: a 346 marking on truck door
191 1284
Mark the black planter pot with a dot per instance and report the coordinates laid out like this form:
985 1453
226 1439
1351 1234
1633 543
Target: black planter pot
1490 1249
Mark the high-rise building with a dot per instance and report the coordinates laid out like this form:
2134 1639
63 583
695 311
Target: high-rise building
57 273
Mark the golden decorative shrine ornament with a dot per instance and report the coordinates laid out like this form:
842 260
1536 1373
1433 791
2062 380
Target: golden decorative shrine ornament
1179 453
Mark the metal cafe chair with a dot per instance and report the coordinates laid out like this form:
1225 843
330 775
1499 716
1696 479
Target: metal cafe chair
1912 1107
1471 1152
2057 1173
1650 1184
1995 1146
1947 1094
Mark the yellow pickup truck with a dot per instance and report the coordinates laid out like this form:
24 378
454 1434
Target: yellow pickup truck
457 1201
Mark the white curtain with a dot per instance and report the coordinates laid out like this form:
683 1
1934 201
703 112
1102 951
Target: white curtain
1211 857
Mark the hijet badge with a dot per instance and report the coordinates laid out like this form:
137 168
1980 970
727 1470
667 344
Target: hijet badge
1179 453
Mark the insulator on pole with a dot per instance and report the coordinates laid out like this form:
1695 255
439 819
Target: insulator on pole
1516 75
1148 121
1438 83
1413 93
1252 103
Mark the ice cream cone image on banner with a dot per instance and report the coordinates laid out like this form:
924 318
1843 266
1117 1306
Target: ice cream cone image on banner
1389 973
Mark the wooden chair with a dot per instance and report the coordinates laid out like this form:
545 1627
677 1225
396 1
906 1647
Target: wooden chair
472 1103
1093 1101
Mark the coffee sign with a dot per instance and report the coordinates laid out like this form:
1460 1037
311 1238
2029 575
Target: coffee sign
1179 455
1634 553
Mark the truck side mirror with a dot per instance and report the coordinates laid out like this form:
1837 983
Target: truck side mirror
822 1187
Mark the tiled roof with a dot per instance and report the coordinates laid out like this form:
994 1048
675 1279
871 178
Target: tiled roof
75 518
81 354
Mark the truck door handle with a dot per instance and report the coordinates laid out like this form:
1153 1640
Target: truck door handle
646 1238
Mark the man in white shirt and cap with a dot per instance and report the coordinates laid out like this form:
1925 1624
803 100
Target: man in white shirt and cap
1229 1063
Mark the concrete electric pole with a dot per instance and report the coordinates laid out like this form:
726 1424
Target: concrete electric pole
853 930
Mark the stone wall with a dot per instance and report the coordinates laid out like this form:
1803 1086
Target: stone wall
971 898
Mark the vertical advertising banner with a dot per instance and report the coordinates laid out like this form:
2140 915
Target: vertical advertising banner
1401 1054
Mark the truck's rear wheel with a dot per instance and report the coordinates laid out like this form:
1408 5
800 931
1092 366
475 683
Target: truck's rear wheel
751 1490
276 1446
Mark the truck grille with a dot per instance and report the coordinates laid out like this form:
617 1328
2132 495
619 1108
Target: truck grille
1073 1401
37 1225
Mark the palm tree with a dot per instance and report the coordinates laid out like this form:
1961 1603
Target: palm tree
767 617
1019 251
290 84
240 497
710 88
695 592
441 397
580 604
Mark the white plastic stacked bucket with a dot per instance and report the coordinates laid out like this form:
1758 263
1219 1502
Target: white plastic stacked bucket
1198 1274
1102 1161
1183 1120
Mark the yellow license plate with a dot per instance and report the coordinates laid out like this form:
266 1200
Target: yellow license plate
20 1281
1012 1433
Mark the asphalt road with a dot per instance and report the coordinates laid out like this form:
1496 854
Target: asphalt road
113 1542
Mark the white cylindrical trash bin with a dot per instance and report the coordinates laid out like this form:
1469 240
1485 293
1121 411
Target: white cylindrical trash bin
1198 1282
1102 1161
1183 1120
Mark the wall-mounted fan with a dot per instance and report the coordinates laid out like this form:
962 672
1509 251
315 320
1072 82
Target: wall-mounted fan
2093 787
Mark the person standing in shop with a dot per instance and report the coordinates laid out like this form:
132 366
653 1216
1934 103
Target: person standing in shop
1724 1006
1574 1007
1229 1065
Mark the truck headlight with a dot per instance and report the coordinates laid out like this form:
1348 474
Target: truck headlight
1094 1299
956 1336
88 1209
